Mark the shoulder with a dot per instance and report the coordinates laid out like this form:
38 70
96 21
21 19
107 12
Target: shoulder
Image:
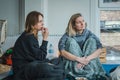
29 36
89 32
65 35
26 37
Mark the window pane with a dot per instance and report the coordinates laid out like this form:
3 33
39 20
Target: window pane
110 30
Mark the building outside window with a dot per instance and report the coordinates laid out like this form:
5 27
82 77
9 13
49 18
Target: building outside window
110 30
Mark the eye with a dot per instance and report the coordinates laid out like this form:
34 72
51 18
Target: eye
40 21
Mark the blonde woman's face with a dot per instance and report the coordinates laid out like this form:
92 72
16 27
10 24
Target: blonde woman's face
79 23
40 23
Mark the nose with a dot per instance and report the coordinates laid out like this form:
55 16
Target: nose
81 23
42 24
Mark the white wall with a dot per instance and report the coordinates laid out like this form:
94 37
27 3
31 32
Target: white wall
94 17
21 15
32 5
56 13
60 11
9 10
37 5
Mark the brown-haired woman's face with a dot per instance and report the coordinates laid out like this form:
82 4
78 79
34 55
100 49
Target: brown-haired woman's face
79 23
40 24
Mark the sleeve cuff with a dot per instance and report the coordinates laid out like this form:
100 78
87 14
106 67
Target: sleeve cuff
60 49
44 42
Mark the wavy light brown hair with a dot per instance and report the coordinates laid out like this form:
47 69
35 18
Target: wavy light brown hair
31 20
70 28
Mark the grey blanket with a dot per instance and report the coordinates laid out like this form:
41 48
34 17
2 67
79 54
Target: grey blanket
93 68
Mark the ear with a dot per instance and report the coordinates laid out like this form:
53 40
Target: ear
32 27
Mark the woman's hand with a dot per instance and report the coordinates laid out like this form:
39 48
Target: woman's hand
45 33
82 60
88 60
80 66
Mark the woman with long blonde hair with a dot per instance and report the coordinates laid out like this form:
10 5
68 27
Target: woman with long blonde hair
80 49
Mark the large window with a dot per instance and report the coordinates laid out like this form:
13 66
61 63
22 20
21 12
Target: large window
110 30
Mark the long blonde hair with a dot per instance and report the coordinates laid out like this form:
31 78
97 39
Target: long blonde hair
70 30
32 19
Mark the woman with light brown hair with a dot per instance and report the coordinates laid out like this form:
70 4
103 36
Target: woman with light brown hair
29 60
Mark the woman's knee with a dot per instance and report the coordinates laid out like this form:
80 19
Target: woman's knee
70 41
91 40
71 44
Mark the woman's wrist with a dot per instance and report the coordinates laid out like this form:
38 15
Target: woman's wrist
45 39
77 59
88 58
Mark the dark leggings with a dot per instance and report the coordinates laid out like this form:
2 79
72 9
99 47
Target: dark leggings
38 70
42 70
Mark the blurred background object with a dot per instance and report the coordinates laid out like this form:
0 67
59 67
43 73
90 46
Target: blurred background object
3 24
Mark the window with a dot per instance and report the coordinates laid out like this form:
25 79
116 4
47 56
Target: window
110 30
